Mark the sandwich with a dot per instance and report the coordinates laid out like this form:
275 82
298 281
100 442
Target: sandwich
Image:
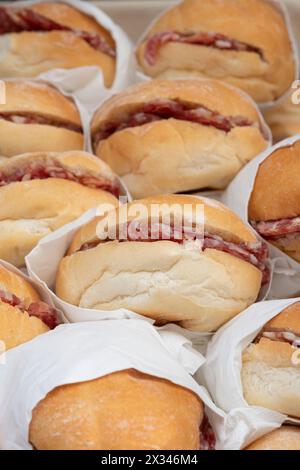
37 117
178 136
42 191
284 438
271 365
23 314
228 40
176 259
274 205
51 35
126 410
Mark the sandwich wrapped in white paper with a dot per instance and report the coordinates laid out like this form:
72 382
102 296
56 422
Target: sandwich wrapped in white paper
86 351
278 4
88 81
221 373
286 276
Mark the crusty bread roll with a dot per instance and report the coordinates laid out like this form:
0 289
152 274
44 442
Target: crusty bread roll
163 279
175 154
271 367
17 324
37 117
274 205
232 42
55 35
283 119
127 410
284 438
42 191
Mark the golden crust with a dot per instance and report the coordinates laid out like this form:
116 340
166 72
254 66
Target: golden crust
91 415
276 191
284 438
264 79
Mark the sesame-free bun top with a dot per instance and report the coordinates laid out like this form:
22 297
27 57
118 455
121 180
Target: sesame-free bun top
265 78
212 94
287 320
284 438
218 219
125 410
276 191
39 98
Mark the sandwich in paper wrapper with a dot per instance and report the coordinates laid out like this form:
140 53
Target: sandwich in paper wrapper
286 269
227 367
89 80
76 353
168 26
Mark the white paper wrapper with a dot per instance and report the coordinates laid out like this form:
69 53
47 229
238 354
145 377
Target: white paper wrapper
86 351
42 264
140 76
88 81
286 276
44 294
221 374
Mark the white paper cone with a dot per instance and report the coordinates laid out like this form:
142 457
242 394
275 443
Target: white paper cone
286 276
86 351
221 374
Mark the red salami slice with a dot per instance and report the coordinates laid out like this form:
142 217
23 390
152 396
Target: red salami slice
29 118
40 309
43 170
167 109
215 40
16 20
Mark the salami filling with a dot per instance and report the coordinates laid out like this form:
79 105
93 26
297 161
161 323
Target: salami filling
17 20
277 228
207 435
40 309
30 118
167 109
53 169
215 40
